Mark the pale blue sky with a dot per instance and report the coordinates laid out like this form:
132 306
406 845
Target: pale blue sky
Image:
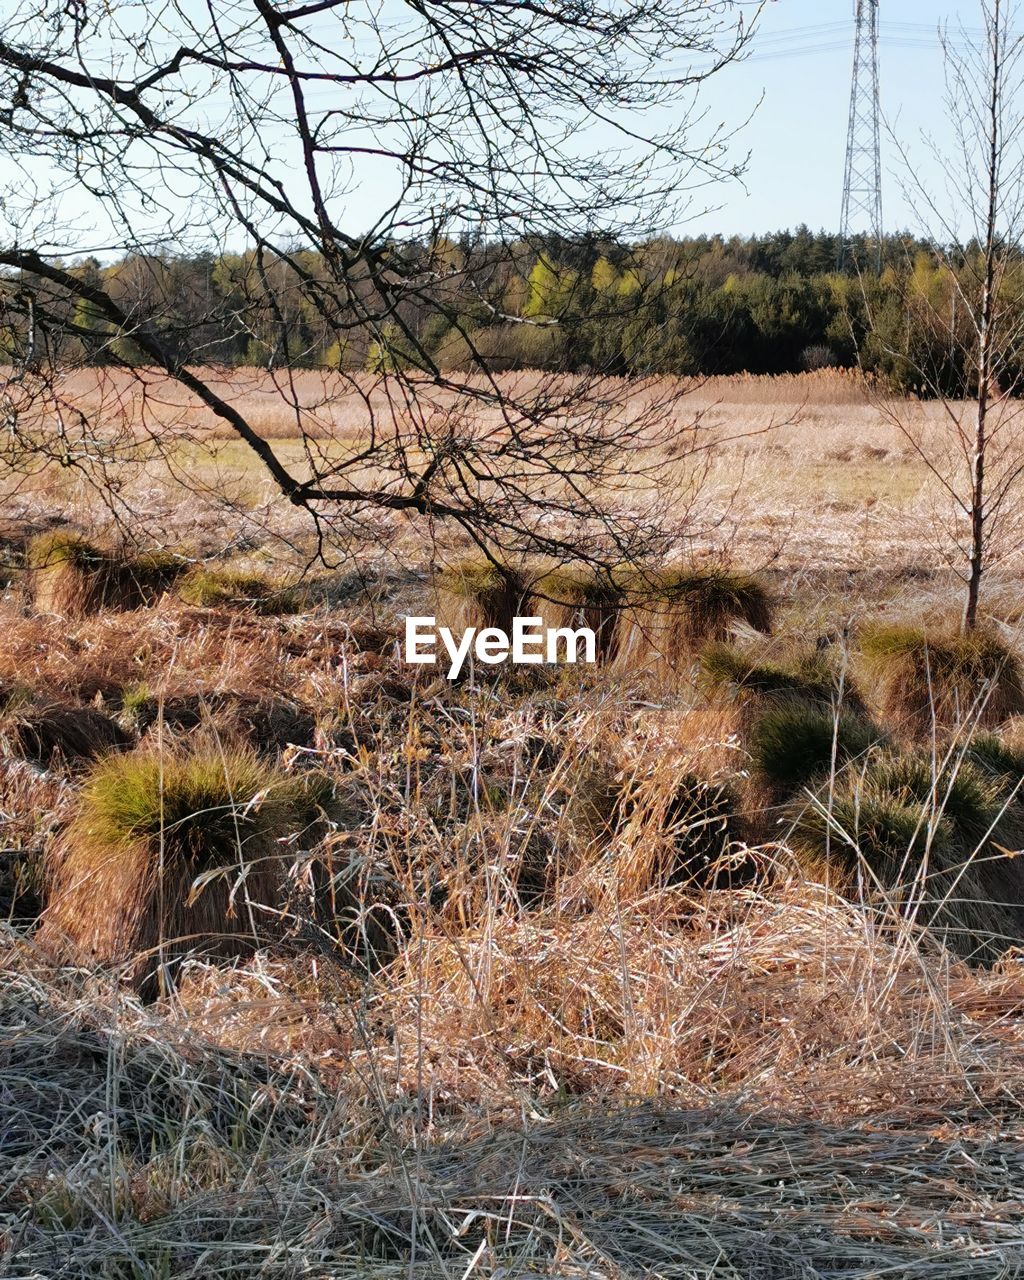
803 61
800 62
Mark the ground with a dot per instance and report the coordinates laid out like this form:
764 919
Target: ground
565 1059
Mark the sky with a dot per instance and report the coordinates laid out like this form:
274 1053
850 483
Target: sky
802 63
795 80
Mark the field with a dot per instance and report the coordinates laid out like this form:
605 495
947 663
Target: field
704 962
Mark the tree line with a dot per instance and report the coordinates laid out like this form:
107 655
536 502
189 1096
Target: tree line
697 306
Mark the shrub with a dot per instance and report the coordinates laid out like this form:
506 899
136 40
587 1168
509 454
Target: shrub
71 576
208 588
169 854
670 614
924 681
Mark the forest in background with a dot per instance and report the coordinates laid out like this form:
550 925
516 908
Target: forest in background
706 305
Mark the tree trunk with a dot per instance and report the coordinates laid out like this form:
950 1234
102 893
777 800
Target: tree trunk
986 345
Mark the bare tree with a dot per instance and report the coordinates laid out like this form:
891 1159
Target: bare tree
967 304
370 167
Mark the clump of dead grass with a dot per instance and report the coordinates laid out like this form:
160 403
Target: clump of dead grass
171 853
479 593
266 723
52 734
924 680
572 597
671 614
813 678
73 577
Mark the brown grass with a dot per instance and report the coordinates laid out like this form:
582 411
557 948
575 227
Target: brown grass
72 577
577 597
477 593
52 734
671 614
170 855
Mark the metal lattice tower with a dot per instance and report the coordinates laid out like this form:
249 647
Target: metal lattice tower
862 189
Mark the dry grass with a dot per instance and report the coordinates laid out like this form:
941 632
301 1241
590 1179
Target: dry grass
478 593
211 588
671 614
171 854
577 597
51 734
555 996
72 577
812 1116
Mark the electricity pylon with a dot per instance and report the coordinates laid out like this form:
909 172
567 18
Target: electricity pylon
862 188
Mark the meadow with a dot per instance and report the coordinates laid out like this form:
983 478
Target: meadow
702 962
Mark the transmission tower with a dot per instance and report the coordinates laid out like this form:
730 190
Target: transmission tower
862 189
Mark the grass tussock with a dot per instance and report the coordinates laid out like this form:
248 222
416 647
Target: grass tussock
578 597
924 681
72 577
268 724
794 746
671 614
677 828
54 734
170 854
935 845
811 678
206 587
480 594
